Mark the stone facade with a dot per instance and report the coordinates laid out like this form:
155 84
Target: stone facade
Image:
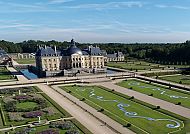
52 60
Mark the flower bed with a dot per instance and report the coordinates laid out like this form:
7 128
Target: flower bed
15 116
15 90
22 97
33 114
50 131
72 132
50 111
62 125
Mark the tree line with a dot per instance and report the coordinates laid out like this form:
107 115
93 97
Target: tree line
165 53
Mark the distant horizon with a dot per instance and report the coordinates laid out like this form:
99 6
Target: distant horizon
95 42
125 21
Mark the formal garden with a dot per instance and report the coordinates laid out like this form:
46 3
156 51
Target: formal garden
134 114
135 65
141 65
179 78
39 114
5 74
178 97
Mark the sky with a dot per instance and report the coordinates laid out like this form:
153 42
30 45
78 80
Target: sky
124 21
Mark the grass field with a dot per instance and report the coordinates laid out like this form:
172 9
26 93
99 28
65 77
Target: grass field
26 105
25 61
157 91
143 119
137 65
185 79
5 74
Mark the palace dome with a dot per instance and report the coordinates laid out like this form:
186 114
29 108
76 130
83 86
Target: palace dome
73 49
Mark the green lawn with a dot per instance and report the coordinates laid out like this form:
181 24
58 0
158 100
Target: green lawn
134 65
25 61
124 110
185 79
160 92
26 105
5 74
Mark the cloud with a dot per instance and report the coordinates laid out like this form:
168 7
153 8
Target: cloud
59 1
173 6
110 5
16 25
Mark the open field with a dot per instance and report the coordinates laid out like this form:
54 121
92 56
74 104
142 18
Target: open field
25 61
133 115
5 74
23 106
157 91
182 79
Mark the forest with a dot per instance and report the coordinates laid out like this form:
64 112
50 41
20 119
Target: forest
164 53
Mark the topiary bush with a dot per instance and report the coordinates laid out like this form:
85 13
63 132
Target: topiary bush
101 110
127 125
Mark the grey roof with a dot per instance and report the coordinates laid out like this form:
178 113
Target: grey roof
47 51
73 49
120 54
3 54
85 53
112 55
115 55
94 51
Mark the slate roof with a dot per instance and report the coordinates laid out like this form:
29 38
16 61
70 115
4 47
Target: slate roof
47 51
94 51
115 55
112 55
85 53
3 53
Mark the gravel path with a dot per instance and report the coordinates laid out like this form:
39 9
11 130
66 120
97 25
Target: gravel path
90 122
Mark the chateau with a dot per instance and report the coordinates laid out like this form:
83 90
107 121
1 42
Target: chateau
72 60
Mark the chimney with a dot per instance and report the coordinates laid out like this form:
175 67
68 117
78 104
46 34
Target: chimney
55 49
